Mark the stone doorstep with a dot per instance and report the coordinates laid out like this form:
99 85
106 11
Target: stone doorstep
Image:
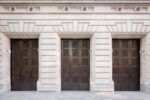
104 89
48 88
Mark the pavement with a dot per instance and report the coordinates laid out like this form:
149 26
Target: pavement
73 95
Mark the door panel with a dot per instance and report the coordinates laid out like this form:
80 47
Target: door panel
75 64
126 66
24 64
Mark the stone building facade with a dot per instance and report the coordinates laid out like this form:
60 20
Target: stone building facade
102 22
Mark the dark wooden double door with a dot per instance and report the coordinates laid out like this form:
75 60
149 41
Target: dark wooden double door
126 64
24 64
75 68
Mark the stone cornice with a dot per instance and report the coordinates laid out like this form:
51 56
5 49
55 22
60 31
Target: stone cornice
75 26
76 1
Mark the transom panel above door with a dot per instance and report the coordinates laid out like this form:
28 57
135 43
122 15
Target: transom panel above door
126 64
24 64
75 64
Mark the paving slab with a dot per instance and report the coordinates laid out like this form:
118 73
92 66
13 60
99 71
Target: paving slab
73 95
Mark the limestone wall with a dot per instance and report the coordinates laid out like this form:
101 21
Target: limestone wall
145 64
99 23
1 60
103 62
49 62
4 63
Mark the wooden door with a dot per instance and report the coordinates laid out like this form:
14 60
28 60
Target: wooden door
24 64
126 65
75 64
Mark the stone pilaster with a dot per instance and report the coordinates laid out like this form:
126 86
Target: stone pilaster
145 64
102 63
49 63
4 63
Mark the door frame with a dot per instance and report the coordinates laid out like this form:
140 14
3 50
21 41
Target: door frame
7 61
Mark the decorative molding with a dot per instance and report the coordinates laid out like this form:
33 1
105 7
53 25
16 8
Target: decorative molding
73 9
76 1
130 8
75 26
129 27
21 27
